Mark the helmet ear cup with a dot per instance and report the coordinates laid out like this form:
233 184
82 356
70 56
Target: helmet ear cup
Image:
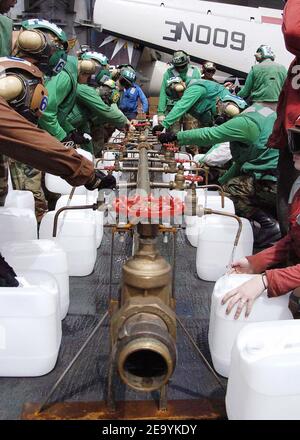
39 100
179 88
11 87
232 110
87 67
32 41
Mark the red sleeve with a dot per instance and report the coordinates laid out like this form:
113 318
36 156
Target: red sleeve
291 26
271 256
281 281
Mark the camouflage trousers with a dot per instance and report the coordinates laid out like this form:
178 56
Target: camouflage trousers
27 178
248 194
3 179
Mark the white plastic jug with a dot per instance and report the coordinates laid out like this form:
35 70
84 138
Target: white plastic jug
215 245
223 329
77 236
41 255
264 382
20 199
17 224
30 326
211 200
97 216
58 185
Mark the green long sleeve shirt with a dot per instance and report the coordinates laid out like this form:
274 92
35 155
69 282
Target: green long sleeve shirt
264 82
62 95
248 134
165 101
6 30
199 100
90 107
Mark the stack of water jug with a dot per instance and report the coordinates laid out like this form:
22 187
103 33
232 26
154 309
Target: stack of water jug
31 314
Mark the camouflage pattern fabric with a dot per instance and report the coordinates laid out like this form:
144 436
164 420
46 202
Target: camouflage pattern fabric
3 179
249 194
27 178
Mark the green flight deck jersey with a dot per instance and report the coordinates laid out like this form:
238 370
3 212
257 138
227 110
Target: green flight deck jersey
6 30
264 82
165 102
89 108
62 97
199 100
248 134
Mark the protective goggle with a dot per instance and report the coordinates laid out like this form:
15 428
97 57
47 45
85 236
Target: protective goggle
32 101
294 140
124 83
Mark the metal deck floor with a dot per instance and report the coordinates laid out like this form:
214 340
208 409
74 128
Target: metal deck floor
87 379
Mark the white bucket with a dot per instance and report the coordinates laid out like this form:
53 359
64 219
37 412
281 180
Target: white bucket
77 236
223 329
58 185
215 245
20 199
211 200
30 326
97 216
264 382
41 255
17 224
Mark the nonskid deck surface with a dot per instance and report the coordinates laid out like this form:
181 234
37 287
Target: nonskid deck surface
87 379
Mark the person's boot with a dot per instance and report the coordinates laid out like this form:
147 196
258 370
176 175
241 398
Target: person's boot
269 231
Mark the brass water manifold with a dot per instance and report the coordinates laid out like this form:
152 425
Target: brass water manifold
143 330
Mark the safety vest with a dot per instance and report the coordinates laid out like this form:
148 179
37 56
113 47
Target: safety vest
261 161
205 108
71 68
6 29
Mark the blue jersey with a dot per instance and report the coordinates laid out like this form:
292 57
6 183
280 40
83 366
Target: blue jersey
130 98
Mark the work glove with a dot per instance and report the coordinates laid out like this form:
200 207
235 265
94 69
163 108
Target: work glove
167 138
161 118
102 181
76 137
7 275
157 128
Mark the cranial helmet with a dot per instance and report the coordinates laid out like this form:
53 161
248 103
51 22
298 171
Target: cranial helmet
22 86
127 76
209 66
108 92
102 67
180 59
264 52
175 86
45 43
232 106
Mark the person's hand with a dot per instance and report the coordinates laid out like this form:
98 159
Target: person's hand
7 275
76 137
241 266
102 181
157 129
244 296
167 138
161 118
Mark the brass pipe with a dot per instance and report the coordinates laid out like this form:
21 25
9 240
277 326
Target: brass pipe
70 208
226 214
220 190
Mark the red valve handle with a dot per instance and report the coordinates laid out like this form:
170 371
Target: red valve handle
142 124
182 160
192 178
149 207
108 168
